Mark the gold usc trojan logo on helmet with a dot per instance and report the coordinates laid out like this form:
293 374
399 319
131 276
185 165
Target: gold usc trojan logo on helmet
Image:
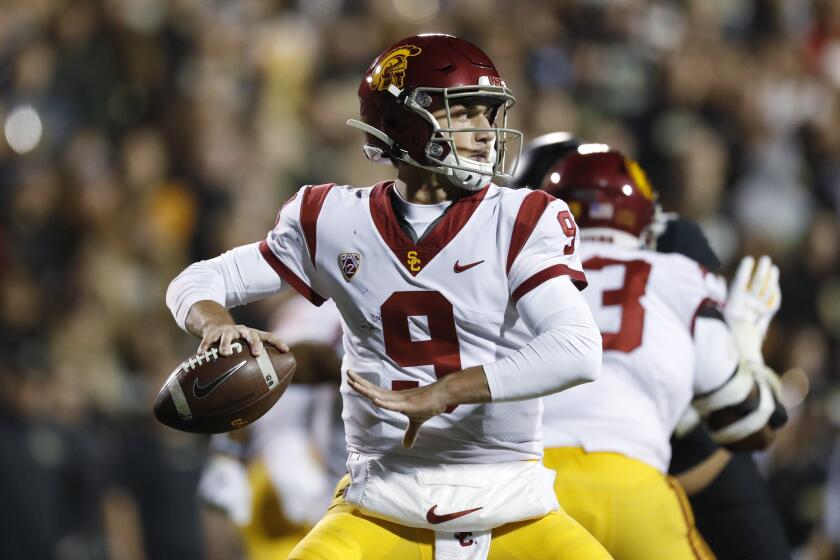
391 68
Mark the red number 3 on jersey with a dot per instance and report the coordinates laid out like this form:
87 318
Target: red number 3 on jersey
628 297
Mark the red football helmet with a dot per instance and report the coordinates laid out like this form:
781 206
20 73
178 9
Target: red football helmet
604 189
421 74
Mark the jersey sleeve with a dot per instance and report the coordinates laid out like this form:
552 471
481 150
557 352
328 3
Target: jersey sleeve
287 249
716 356
690 291
696 297
236 277
544 244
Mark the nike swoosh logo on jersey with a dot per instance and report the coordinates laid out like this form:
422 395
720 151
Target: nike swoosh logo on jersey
459 268
434 518
201 391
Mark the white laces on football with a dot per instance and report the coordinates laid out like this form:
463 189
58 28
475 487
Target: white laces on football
208 356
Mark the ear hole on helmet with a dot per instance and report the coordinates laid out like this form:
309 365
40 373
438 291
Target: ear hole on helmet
424 99
435 149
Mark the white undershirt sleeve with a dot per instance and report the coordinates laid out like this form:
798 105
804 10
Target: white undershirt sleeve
565 352
236 277
716 354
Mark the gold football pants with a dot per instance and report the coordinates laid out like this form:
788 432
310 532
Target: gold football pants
269 535
634 510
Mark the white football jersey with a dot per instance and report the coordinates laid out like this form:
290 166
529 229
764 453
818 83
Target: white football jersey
312 411
413 312
645 304
301 442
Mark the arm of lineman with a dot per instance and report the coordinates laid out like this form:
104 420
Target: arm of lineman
224 485
200 296
297 473
745 411
565 352
741 411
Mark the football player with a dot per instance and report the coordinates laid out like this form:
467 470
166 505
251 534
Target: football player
666 344
460 306
276 481
730 500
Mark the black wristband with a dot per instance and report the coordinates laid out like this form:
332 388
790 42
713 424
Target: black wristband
691 449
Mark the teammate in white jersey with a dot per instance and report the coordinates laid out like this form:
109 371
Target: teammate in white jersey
666 344
730 500
460 306
275 483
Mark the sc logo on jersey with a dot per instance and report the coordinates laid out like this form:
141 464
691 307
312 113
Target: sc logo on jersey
413 261
390 70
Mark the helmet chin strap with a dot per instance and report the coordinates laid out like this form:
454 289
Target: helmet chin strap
478 175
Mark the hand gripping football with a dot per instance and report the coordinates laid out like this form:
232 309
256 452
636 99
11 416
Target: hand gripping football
210 393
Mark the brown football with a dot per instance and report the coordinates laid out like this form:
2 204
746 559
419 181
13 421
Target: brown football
210 393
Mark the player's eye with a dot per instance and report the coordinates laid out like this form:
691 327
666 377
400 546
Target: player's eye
476 111
460 114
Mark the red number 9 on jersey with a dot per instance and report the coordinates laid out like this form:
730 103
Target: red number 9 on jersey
567 223
440 350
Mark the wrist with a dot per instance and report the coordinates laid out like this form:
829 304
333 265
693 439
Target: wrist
748 341
206 315
468 386
447 391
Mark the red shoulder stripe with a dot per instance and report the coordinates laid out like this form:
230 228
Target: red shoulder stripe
578 279
310 208
290 277
526 220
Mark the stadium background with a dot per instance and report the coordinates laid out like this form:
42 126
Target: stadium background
140 135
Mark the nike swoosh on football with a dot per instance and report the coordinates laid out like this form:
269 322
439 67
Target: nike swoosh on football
201 391
458 268
434 518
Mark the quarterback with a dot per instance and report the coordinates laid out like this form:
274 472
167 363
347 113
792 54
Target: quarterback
667 344
460 306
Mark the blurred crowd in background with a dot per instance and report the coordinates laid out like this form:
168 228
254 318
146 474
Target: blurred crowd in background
141 135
